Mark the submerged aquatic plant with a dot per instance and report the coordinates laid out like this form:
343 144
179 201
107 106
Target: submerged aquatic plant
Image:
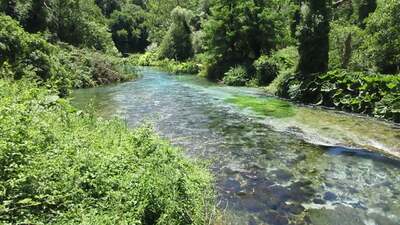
265 106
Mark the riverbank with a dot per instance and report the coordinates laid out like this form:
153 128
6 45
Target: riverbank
60 165
374 95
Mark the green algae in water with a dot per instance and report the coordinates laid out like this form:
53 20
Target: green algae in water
265 106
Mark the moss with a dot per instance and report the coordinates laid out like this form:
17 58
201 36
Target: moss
265 106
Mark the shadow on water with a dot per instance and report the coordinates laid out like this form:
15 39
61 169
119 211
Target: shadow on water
364 154
263 176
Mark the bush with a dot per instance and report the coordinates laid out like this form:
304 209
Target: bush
30 56
59 67
266 70
146 59
236 76
286 59
189 67
91 69
59 166
373 94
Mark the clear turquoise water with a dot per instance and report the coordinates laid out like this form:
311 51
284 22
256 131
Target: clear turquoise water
268 170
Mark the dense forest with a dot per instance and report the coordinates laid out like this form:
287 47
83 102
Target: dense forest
59 164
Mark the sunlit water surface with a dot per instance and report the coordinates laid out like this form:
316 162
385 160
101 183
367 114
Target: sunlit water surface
269 170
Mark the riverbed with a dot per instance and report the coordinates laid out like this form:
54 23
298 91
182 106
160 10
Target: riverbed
281 164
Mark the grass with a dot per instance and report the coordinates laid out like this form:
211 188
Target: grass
264 106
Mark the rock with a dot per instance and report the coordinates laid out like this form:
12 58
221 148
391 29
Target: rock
342 215
232 185
330 196
275 218
293 208
283 175
319 201
233 169
252 204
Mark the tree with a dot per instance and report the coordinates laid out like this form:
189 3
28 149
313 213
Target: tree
108 6
38 16
158 18
363 9
128 29
10 8
79 23
383 37
237 32
177 44
313 35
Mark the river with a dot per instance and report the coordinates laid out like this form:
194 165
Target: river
283 164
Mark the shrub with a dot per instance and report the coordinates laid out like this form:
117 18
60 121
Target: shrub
189 67
60 67
266 70
60 166
30 56
286 59
146 59
372 94
236 76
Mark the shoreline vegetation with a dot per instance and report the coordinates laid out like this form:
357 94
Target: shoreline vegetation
63 166
368 94
60 165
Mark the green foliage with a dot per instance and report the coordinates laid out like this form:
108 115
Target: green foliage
79 23
38 16
60 166
128 30
363 8
108 6
177 44
345 41
176 67
172 66
265 106
236 32
372 94
313 35
383 37
91 69
30 56
236 76
266 70
147 59
286 59
159 20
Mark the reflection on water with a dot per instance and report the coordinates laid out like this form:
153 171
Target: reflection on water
268 170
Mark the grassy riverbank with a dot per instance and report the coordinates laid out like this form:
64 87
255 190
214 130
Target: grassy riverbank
63 166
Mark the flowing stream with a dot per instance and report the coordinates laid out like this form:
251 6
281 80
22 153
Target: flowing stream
279 164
